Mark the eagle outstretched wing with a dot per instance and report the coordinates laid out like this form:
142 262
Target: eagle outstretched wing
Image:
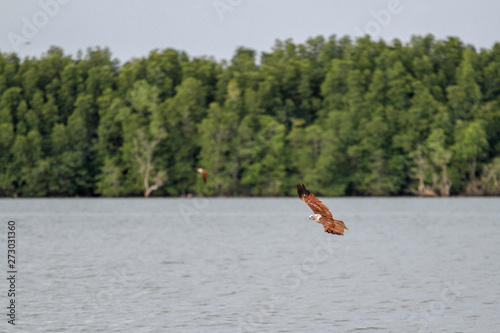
314 203
329 223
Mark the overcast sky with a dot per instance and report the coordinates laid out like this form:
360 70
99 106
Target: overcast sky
217 27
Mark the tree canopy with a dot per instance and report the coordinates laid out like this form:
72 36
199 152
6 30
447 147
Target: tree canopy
347 117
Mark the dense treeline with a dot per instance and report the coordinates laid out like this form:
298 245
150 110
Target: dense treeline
345 117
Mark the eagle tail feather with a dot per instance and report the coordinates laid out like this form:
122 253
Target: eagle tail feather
338 229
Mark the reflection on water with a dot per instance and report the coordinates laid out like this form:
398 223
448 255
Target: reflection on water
229 265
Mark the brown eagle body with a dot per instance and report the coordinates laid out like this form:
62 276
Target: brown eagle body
321 213
203 173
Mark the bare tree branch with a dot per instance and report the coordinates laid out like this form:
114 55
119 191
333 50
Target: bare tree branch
143 149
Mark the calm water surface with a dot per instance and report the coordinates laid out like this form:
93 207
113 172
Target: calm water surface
254 265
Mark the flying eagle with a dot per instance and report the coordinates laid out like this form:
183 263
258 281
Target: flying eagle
203 173
321 213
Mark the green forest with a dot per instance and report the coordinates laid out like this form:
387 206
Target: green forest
346 117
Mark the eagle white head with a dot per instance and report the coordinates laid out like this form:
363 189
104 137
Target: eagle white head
315 217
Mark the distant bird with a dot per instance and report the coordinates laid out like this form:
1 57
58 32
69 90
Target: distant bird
321 213
203 173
